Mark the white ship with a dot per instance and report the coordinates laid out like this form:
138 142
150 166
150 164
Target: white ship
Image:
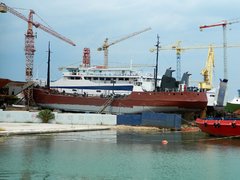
98 80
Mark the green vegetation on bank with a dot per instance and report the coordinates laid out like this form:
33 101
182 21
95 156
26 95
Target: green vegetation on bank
46 115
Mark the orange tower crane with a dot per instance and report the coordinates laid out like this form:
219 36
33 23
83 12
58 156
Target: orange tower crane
29 37
224 24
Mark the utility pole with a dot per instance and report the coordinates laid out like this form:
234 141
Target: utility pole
156 68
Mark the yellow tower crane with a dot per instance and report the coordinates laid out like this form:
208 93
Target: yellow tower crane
106 45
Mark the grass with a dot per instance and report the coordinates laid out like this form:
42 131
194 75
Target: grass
2 129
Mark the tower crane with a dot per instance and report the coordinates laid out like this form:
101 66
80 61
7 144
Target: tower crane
224 24
29 37
106 44
179 49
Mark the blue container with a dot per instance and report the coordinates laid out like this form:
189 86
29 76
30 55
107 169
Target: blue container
162 120
129 119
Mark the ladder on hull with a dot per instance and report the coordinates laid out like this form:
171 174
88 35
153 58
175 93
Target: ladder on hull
106 104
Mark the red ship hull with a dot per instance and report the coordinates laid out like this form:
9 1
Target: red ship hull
226 127
136 102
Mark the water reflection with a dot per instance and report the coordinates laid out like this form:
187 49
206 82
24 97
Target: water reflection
147 138
19 156
191 141
32 148
105 154
233 142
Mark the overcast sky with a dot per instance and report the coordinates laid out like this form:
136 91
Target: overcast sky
88 23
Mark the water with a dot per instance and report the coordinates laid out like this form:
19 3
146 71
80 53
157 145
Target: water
118 155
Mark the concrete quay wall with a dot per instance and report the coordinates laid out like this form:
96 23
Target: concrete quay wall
60 118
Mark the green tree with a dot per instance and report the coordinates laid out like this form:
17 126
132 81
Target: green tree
46 115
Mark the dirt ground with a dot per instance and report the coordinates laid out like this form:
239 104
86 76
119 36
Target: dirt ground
145 129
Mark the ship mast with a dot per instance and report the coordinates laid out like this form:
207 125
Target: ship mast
156 68
48 68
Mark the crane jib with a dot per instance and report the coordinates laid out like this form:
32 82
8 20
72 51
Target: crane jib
4 8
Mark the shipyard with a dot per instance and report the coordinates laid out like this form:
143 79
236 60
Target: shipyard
119 90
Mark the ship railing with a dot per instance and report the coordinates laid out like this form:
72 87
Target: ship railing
171 90
225 118
189 89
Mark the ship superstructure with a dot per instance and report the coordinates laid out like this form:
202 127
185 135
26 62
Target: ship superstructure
98 80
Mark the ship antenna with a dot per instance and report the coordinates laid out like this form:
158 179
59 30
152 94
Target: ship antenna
48 70
156 68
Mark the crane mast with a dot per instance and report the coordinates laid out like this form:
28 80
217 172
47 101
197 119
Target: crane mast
106 45
29 48
224 24
178 55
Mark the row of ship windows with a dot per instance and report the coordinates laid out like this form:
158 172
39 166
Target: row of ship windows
100 78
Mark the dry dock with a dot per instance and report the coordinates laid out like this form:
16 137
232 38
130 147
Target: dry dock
7 129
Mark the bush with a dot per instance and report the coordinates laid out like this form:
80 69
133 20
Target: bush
46 115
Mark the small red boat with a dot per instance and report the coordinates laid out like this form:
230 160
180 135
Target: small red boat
220 127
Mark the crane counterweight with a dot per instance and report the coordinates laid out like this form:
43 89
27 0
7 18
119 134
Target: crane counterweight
3 8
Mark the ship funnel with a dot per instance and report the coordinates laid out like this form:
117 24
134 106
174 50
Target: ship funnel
222 92
169 72
185 78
